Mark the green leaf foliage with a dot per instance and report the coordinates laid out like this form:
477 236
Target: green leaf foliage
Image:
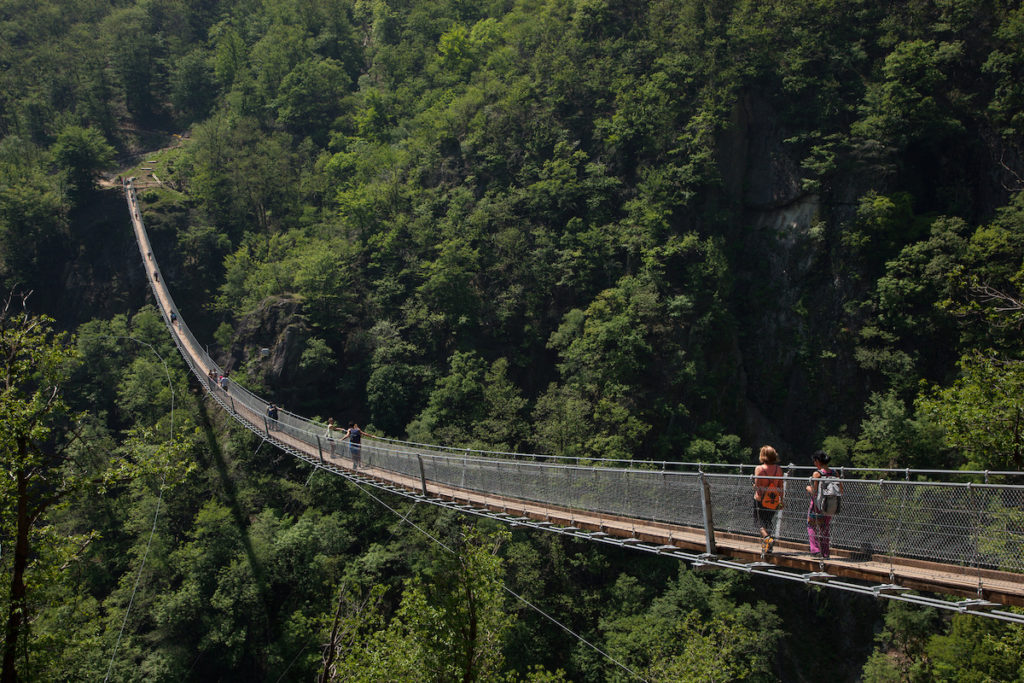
982 412
663 229
82 153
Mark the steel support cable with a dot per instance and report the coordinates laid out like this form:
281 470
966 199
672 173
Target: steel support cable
159 500
526 602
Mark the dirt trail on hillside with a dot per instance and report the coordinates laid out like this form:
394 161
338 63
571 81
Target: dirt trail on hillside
144 176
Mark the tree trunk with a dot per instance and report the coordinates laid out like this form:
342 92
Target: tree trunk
16 608
331 650
469 673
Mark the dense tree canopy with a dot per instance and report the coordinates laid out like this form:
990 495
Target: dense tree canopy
665 229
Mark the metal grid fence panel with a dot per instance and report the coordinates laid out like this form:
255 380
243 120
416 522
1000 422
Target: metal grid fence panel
870 517
962 524
732 503
1000 542
937 524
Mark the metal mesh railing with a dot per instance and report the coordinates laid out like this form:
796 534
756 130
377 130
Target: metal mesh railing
964 522
971 525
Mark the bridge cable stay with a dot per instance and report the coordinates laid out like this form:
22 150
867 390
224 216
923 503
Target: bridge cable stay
556 622
934 532
159 500
305 646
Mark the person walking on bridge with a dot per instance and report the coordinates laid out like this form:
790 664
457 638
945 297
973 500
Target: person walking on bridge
355 439
818 521
767 496
329 434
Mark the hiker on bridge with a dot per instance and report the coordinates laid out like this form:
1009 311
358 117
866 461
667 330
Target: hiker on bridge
767 496
826 491
355 438
329 433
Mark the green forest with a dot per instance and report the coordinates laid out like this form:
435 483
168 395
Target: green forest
670 230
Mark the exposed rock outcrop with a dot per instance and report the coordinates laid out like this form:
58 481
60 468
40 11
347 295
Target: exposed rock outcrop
789 296
278 326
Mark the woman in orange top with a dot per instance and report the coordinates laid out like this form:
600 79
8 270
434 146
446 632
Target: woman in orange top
767 495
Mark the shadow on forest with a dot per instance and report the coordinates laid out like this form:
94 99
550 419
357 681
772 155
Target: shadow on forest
230 495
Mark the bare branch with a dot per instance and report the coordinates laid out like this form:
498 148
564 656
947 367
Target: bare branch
1005 303
81 550
1006 167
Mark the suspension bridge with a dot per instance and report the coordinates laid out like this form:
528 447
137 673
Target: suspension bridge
953 540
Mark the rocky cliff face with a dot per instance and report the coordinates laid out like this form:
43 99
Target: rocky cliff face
788 295
97 271
269 343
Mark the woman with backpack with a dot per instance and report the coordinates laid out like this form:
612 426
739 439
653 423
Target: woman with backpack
767 496
825 490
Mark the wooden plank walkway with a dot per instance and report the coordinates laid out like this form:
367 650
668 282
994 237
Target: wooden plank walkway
1000 587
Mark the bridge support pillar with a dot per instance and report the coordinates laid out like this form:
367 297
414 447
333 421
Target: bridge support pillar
709 522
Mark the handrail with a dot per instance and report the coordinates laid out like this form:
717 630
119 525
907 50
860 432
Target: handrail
630 463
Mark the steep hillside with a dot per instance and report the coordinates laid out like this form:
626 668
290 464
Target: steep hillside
668 229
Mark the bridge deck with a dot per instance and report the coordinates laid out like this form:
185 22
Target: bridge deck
996 586
1001 587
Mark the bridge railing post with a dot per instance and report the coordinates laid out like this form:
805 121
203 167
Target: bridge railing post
978 508
319 449
777 531
709 522
423 475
